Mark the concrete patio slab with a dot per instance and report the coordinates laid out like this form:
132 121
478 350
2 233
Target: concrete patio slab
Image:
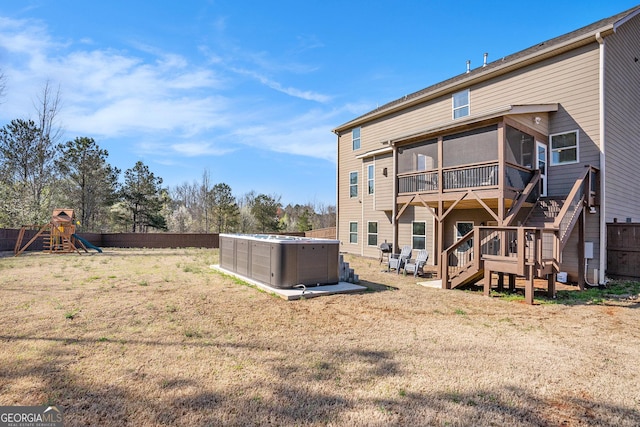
432 284
294 294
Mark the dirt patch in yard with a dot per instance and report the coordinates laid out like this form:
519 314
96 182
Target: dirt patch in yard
155 337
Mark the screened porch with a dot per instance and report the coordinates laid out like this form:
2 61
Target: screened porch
501 157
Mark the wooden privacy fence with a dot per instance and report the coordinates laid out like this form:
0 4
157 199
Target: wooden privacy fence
623 250
322 233
8 239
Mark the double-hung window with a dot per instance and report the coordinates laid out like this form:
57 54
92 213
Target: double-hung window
564 148
355 139
370 179
353 184
353 232
460 102
419 235
372 233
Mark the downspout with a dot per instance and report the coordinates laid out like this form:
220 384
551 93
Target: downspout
361 199
394 208
603 204
338 189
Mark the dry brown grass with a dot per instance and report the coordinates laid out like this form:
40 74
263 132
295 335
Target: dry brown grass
155 337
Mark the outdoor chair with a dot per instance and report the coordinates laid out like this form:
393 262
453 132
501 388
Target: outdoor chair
396 261
416 265
490 179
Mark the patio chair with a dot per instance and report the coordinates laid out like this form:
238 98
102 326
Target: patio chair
396 261
416 265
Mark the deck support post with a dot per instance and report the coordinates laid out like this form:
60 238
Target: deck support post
551 285
487 282
528 290
581 260
500 282
512 283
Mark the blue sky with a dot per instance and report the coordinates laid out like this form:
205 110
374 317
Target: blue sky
250 90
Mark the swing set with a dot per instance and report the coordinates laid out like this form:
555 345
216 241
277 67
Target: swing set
58 235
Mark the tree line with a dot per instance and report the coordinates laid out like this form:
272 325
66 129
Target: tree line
39 173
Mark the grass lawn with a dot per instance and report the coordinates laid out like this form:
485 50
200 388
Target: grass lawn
156 337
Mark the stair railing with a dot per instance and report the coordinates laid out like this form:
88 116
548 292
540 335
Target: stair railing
459 257
530 193
583 192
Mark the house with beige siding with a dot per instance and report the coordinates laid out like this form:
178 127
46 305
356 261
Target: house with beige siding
514 167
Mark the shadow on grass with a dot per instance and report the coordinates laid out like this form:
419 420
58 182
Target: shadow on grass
376 287
305 392
620 294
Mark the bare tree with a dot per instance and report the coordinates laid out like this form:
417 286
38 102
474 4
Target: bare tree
48 106
205 198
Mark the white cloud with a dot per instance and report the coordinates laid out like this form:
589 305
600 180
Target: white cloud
302 94
306 135
195 149
21 36
156 97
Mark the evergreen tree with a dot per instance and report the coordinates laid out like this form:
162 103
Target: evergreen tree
143 198
90 183
226 213
265 210
304 223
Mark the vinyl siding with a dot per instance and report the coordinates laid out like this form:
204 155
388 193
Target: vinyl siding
384 184
405 229
349 209
477 216
571 252
366 207
370 214
622 122
570 79
410 120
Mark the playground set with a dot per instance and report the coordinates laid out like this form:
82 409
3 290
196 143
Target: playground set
58 236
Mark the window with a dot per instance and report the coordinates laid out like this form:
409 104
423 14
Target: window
460 104
372 234
520 147
421 161
418 235
564 148
353 232
370 178
461 230
353 184
355 139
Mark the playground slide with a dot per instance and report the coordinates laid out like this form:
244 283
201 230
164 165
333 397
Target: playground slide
86 243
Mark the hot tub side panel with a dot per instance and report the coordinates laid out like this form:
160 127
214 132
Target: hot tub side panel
261 261
317 264
228 253
333 262
243 257
283 266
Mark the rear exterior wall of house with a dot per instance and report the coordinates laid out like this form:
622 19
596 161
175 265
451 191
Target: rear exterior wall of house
570 79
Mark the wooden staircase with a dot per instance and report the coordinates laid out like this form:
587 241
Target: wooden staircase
532 249
545 212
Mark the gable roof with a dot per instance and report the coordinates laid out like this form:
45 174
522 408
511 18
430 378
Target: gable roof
536 53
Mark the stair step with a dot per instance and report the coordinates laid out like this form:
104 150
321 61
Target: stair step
545 212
